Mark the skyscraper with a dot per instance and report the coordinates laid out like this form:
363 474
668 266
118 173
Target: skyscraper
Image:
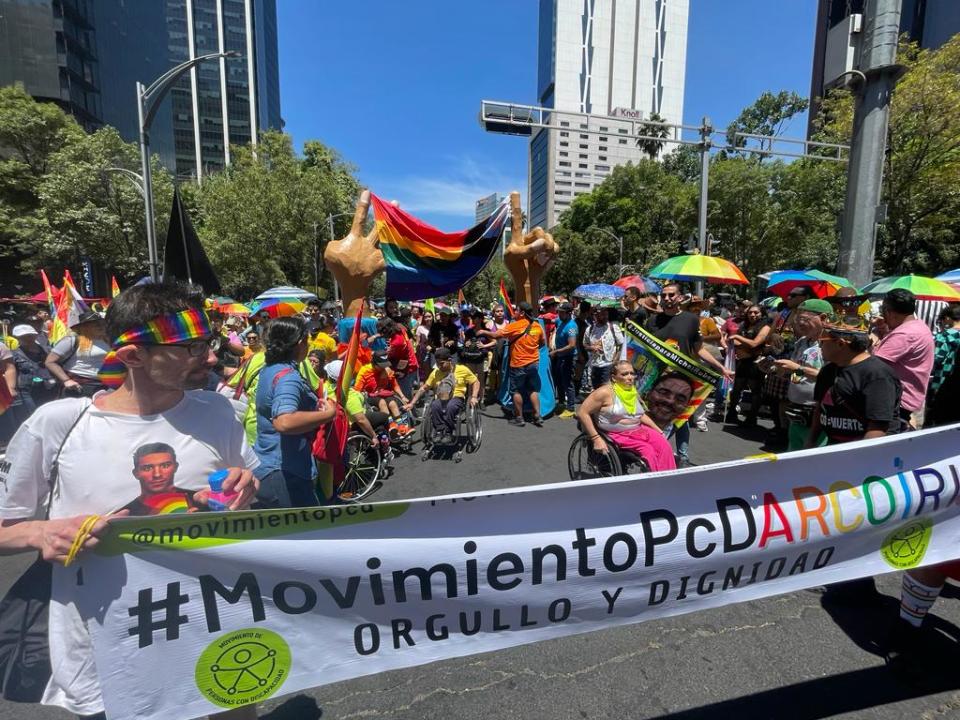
619 58
87 56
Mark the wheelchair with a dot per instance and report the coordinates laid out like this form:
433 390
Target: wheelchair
585 463
469 433
365 464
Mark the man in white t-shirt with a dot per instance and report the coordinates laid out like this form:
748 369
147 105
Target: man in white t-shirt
604 341
155 410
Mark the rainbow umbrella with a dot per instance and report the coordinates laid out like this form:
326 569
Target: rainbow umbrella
645 284
599 294
278 308
700 267
783 282
228 306
925 288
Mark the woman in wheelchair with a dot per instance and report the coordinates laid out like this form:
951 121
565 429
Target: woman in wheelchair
617 410
450 384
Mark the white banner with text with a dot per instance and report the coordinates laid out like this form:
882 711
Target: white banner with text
191 614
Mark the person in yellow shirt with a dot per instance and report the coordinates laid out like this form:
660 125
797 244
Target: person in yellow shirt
319 340
450 383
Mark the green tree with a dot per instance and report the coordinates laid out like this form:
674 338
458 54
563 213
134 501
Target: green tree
922 164
30 133
263 220
766 116
89 209
653 129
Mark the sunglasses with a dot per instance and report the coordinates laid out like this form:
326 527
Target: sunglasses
669 295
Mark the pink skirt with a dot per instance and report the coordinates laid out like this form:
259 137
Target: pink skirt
649 444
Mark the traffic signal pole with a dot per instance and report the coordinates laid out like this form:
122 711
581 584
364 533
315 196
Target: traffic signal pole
868 147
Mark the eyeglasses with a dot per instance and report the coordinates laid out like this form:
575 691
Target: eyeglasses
669 295
194 348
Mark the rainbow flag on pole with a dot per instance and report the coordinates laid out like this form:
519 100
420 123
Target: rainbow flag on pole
49 291
425 262
508 311
347 372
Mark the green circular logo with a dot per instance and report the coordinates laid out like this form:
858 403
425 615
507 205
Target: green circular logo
905 547
243 667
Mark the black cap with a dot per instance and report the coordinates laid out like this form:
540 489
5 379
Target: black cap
565 307
524 307
87 316
380 358
441 354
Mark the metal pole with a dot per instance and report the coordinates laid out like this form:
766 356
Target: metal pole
705 131
153 259
865 170
316 258
620 264
336 287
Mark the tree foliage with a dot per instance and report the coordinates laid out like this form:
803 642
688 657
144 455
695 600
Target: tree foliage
653 129
922 169
768 115
264 220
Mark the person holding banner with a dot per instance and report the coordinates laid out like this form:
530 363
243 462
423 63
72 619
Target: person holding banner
617 409
70 461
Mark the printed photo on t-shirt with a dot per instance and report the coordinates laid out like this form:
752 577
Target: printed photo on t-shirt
155 467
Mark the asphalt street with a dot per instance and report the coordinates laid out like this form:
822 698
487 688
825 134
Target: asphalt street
791 656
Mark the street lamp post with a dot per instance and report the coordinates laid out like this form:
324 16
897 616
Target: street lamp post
620 265
148 102
330 219
133 177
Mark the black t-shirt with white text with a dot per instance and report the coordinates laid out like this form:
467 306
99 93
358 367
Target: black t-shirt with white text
851 397
682 328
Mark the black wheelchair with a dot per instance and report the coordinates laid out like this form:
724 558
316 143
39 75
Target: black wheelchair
468 436
365 464
585 463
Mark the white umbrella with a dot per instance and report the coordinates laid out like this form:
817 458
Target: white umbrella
286 291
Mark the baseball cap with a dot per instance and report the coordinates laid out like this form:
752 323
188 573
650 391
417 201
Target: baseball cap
565 307
380 358
20 330
441 354
821 307
85 317
524 307
333 369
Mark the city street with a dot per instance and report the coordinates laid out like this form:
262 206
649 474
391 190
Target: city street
782 657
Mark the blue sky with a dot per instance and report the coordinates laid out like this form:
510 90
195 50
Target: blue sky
395 86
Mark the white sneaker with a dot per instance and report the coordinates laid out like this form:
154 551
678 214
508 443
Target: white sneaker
702 425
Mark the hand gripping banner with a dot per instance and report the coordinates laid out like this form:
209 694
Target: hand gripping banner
191 614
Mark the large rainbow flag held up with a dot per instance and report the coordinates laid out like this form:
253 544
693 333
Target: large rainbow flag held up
423 262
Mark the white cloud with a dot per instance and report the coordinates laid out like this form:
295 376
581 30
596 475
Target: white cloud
454 193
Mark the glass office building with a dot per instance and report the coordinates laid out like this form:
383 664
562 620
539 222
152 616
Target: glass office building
87 55
599 60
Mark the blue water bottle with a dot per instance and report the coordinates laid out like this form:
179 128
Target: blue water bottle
218 500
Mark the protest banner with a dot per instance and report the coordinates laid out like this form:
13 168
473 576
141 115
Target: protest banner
651 357
192 614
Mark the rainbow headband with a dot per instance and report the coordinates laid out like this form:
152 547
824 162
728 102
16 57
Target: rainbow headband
163 330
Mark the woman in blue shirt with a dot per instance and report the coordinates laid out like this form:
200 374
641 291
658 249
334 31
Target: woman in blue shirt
287 416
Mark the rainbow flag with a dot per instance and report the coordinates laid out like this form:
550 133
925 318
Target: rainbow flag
114 287
425 262
49 291
508 311
347 372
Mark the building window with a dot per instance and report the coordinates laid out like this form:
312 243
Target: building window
586 185
622 141
602 157
583 127
622 131
582 166
584 147
564 164
565 183
603 129
603 148
564 123
584 156
564 153
584 137
564 134
602 168
602 139
562 192
564 143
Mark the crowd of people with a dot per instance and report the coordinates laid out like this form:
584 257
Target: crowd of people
827 371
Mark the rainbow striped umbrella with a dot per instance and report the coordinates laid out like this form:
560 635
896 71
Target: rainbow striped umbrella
700 267
278 308
925 288
645 284
782 282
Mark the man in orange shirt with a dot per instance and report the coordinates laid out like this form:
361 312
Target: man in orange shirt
525 338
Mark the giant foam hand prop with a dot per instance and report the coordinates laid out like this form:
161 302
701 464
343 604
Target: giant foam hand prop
356 259
528 257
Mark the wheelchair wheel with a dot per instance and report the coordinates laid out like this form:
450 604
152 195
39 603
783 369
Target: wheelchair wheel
364 464
474 428
585 463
